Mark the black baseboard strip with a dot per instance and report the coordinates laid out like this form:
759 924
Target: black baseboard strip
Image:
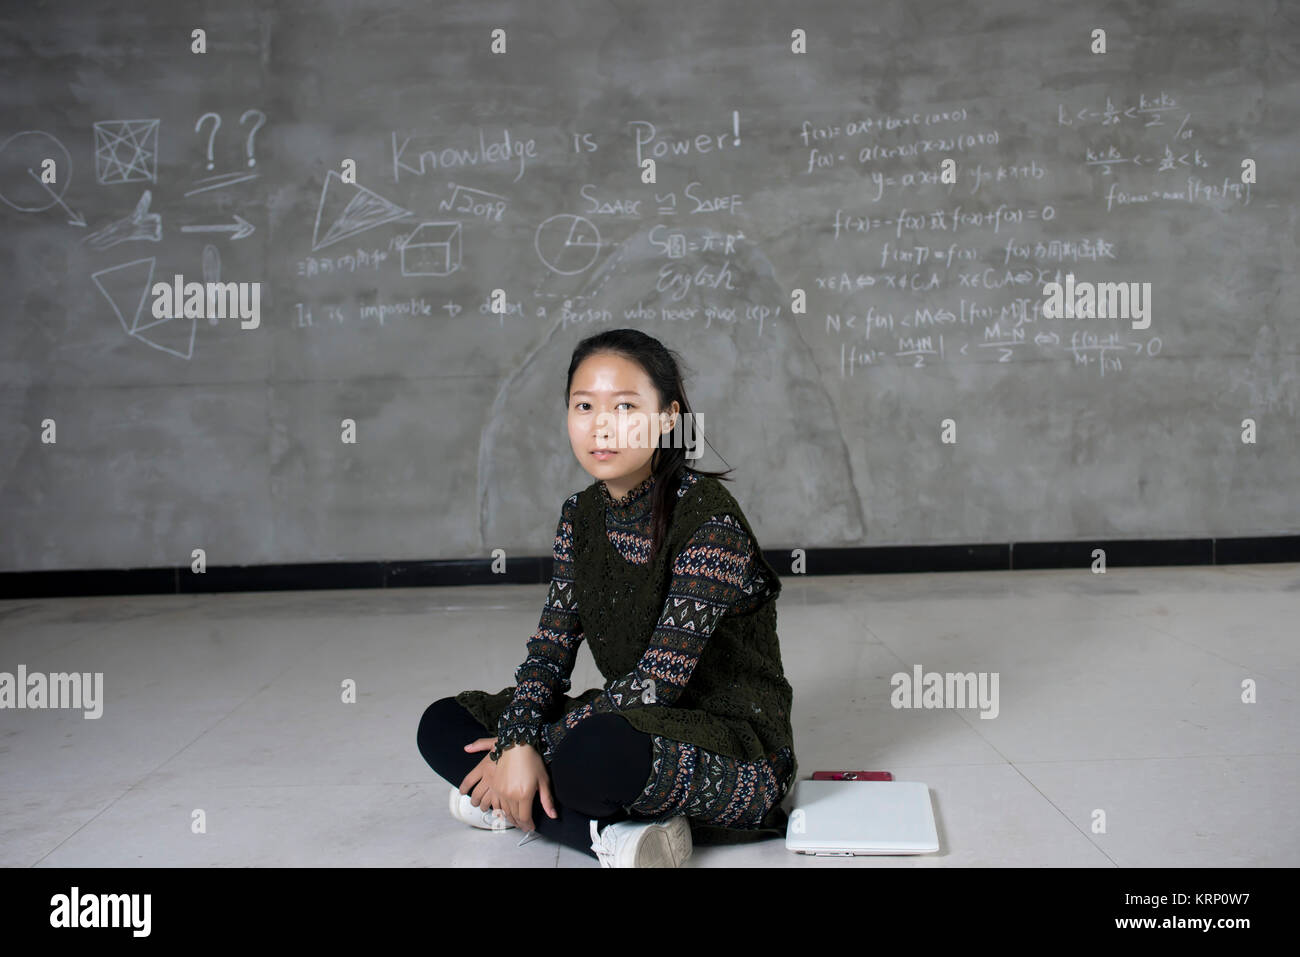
894 559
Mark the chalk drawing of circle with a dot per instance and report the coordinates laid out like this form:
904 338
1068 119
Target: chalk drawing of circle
567 244
27 151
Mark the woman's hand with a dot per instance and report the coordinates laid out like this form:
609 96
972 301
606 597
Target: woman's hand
479 780
520 774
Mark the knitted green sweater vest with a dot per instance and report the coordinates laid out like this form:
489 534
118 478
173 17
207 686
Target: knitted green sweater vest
737 702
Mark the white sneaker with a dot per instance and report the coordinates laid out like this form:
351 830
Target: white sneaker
463 809
662 843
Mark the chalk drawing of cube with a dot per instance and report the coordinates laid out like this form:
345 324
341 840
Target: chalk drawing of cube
433 249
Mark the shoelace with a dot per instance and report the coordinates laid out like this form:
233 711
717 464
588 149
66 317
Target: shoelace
598 845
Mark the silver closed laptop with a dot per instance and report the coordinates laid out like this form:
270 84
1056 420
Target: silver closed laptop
850 818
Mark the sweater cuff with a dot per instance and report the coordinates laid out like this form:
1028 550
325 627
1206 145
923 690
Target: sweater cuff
518 726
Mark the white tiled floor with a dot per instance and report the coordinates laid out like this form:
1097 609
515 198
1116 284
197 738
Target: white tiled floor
1118 693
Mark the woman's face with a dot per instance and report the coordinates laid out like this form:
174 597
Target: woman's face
613 409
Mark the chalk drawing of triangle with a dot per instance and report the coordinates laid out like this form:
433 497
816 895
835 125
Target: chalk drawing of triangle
126 287
350 209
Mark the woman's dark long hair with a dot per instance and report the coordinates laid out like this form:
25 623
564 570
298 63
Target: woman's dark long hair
669 458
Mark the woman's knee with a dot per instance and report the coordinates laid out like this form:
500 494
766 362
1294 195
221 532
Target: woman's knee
436 715
602 764
444 719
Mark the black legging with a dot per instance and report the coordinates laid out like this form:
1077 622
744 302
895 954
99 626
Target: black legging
601 766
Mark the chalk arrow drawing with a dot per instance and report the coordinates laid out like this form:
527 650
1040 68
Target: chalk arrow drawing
239 228
75 219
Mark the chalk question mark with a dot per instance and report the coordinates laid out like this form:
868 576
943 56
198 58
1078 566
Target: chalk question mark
216 125
261 120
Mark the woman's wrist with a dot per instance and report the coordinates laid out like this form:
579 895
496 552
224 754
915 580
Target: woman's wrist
510 733
500 749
